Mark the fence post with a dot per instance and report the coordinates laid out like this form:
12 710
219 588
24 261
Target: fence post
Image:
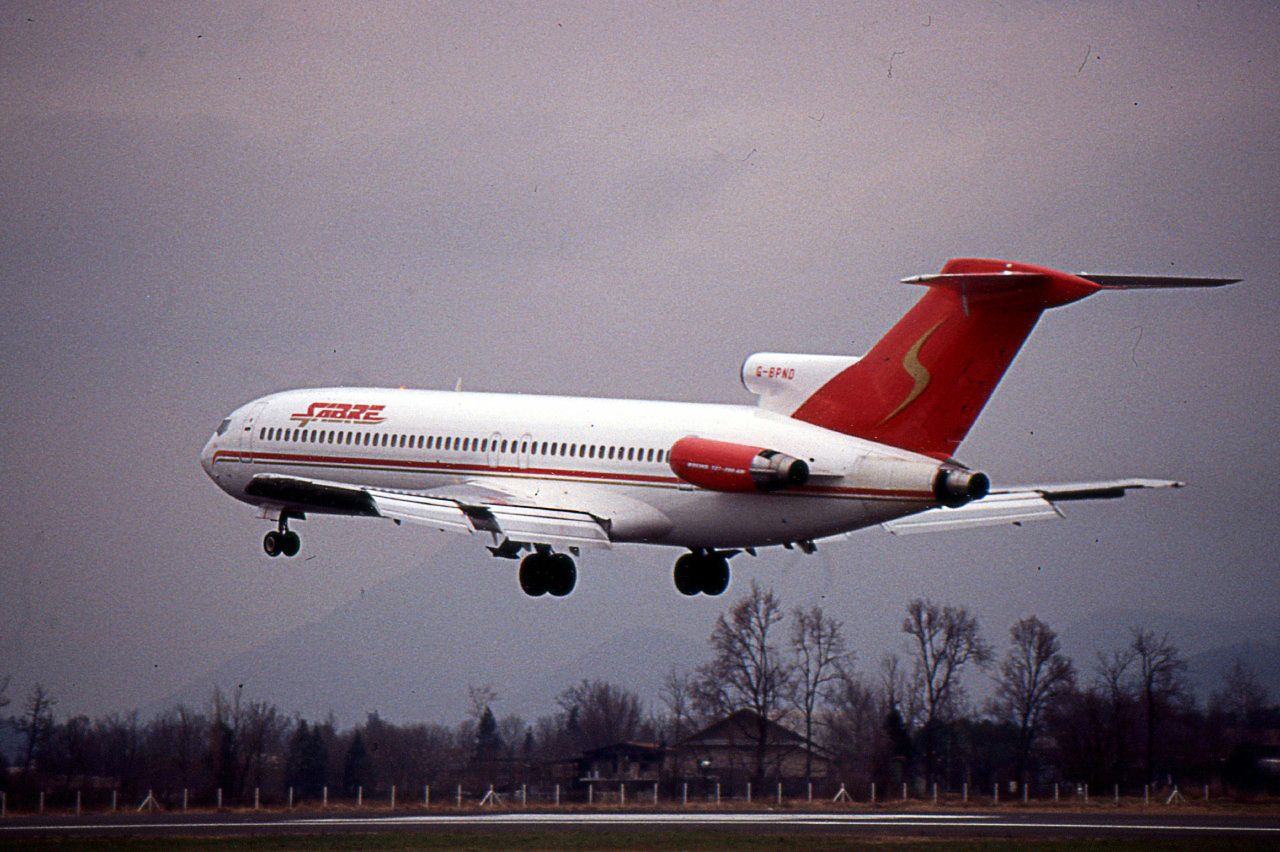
655 793
1146 794
684 794
1086 792
1025 792
257 799
426 795
324 801
393 797
717 792
185 791
873 792
557 795
964 793
42 801
779 792
459 795
1206 792
77 803
935 792
524 795
904 791
811 791
360 796
1116 795
290 798
1055 791
748 792
4 804
591 794
622 794
113 799
995 793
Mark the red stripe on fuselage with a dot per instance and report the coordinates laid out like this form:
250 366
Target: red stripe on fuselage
412 466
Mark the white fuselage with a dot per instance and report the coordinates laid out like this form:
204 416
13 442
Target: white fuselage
609 452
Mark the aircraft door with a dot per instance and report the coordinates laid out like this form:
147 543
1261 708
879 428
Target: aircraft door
492 457
248 433
524 449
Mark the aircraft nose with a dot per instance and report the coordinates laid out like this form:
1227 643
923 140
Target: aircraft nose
206 457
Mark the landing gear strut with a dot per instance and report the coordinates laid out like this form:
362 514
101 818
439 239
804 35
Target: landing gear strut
705 571
543 572
283 541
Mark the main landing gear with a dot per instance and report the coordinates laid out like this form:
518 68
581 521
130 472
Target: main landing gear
705 571
543 572
283 541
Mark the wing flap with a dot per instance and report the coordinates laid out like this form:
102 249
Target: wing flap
464 508
444 515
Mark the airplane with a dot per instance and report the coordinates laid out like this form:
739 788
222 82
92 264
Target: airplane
833 445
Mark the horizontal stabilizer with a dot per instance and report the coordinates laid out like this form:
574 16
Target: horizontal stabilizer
1018 505
1153 282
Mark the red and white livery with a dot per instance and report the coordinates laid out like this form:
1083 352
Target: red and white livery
834 444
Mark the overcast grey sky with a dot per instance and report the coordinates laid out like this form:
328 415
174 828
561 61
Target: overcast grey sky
201 204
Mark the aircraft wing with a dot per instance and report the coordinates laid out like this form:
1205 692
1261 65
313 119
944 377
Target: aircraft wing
466 508
1019 505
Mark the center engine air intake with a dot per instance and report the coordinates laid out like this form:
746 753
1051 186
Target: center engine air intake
722 466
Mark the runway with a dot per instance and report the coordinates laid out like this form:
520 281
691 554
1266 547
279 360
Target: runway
1012 826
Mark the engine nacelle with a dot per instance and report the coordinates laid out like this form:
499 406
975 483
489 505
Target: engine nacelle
955 487
722 466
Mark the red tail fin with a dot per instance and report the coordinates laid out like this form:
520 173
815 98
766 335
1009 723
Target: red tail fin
924 384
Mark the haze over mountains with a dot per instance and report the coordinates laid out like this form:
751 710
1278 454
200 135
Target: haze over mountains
407 650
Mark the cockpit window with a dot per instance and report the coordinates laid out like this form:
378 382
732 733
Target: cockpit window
223 426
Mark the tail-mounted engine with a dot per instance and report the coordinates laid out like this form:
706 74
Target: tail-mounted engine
955 486
722 466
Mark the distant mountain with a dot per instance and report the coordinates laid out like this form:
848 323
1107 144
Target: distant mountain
405 650
1210 646
409 648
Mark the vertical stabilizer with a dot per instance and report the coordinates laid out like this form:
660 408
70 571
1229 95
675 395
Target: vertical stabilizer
924 383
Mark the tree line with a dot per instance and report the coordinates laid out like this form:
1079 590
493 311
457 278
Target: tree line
1127 717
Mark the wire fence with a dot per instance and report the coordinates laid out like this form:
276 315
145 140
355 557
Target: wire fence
618 795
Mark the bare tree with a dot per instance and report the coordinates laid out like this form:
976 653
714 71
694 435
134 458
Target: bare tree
821 658
1113 678
1033 671
944 641
1242 699
37 722
1160 670
677 696
747 672
603 713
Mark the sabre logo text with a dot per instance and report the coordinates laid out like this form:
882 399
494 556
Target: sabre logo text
341 412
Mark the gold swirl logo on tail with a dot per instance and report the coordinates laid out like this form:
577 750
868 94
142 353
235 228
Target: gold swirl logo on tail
917 371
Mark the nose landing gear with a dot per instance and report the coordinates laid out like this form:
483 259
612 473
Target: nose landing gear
543 572
282 542
702 571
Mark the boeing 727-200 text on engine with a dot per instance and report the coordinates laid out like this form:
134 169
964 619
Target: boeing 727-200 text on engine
835 443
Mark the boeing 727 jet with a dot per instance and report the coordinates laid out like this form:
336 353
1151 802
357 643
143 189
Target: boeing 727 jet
834 444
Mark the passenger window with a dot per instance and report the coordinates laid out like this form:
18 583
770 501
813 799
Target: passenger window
502 448
484 445
573 450
631 453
